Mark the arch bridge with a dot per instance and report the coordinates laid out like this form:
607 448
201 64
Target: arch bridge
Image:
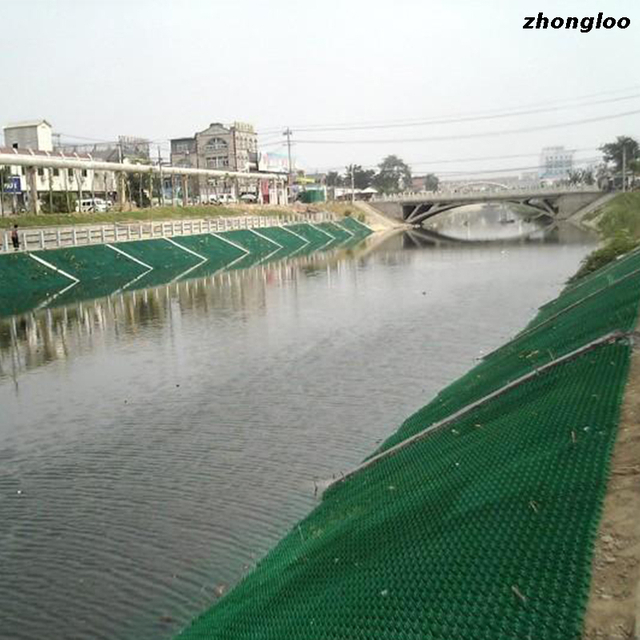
558 203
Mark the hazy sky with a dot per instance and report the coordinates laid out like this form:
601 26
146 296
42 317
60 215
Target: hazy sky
166 68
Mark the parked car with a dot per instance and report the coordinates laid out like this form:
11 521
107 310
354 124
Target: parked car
90 205
249 197
226 198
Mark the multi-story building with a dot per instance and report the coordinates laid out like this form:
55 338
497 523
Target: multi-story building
555 163
233 148
36 138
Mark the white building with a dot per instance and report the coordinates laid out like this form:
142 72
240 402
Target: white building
33 134
555 163
36 138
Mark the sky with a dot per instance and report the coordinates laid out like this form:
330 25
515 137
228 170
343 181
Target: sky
158 69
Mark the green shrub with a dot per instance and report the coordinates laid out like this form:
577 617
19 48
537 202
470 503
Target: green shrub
618 245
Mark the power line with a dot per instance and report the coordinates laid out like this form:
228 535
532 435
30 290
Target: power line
486 134
585 161
471 159
469 114
455 120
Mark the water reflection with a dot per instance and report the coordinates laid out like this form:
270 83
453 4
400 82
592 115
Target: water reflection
40 337
489 222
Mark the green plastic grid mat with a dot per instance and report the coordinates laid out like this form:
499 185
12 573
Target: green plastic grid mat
25 283
252 242
315 237
99 269
482 531
283 237
335 230
211 247
590 285
612 309
160 254
358 228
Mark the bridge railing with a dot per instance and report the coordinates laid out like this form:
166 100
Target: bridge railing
73 236
462 193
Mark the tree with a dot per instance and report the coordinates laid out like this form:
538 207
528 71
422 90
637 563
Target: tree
60 202
393 175
138 188
613 151
581 176
334 179
431 182
362 178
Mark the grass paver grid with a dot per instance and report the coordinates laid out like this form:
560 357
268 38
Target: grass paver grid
25 283
481 531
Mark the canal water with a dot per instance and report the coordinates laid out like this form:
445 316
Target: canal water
154 445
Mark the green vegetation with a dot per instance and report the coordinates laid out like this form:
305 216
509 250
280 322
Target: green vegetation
619 225
141 215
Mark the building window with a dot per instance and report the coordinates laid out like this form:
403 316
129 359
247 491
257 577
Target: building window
41 171
56 173
182 147
70 174
215 144
84 173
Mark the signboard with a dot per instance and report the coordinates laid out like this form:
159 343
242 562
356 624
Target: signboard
12 184
270 162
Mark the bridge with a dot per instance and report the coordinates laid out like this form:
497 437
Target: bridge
558 203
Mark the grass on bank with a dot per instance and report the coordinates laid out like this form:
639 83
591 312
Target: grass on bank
344 209
619 226
140 215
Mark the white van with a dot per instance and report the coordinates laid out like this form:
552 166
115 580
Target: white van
89 205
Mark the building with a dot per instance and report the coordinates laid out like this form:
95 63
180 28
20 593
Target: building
77 183
555 163
126 148
33 134
233 148
36 138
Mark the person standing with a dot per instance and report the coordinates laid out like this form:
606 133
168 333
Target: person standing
15 238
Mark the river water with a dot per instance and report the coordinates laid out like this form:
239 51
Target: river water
154 445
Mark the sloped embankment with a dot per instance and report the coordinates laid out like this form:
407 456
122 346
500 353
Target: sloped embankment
60 276
477 518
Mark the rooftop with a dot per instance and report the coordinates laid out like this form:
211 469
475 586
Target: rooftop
26 123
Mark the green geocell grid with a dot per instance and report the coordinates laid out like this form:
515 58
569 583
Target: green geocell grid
354 226
25 283
482 530
257 245
283 237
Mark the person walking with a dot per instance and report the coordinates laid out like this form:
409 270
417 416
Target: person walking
15 238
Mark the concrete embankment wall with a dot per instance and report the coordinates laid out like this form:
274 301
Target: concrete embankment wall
60 276
477 517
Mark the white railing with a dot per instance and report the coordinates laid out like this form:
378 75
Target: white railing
462 193
60 237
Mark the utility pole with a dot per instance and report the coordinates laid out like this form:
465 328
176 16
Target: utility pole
161 177
287 133
624 166
353 184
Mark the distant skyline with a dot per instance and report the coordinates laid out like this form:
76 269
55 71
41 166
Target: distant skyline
161 69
